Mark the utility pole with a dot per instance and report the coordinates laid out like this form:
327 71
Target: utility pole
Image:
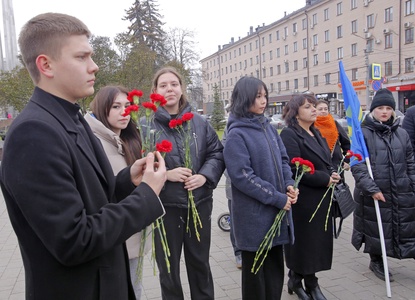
367 76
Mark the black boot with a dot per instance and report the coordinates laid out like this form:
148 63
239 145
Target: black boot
376 267
316 293
295 286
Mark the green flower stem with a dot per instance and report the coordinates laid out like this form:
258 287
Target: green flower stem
266 243
331 187
163 239
195 215
140 264
328 212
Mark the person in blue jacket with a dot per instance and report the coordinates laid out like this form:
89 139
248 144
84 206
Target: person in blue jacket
262 185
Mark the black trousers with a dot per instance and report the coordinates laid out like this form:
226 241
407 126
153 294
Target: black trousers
267 284
196 254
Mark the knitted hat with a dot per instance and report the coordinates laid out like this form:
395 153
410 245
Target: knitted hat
383 97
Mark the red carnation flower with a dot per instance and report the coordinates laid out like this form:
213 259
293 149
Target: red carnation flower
158 99
164 146
150 105
173 123
187 116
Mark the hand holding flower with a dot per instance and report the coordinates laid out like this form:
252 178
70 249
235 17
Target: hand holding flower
179 174
193 182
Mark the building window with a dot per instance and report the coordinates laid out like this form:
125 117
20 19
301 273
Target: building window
270 55
339 31
327 78
295 65
264 72
251 61
304 23
278 52
271 87
305 82
315 80
271 71
295 46
287 84
327 56
295 27
339 9
305 43
354 49
388 41
315 40
314 20
354 26
278 69
340 53
286 66
327 36
286 50
315 59
369 45
389 14
277 35
353 4
409 65
270 38
370 21
263 41
296 84
354 74
285 31
305 62
409 35
409 7
388 68
278 86
250 46
326 14
263 57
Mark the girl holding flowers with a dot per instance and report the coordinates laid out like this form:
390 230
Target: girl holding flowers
312 250
122 145
262 186
195 166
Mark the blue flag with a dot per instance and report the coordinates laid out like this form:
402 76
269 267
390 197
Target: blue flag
354 116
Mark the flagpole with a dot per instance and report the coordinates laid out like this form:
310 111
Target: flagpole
382 238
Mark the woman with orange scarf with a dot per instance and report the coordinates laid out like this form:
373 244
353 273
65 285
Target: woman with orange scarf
336 137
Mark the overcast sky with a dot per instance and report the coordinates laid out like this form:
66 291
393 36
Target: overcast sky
214 22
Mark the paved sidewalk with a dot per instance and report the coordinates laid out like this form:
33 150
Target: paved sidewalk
349 278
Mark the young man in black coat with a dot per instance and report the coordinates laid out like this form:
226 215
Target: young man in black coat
69 213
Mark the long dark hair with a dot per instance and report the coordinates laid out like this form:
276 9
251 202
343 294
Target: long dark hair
291 108
101 106
244 95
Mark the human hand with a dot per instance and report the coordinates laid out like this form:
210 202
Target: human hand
193 182
178 174
334 178
287 205
346 166
379 196
154 172
292 194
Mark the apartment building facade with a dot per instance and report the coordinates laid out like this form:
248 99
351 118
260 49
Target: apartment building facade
301 52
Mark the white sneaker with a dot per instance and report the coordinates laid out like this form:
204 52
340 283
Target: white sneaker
238 260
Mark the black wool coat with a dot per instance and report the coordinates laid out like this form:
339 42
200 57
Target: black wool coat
61 198
312 250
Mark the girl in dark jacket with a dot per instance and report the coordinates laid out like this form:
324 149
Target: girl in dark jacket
312 250
393 168
208 166
262 185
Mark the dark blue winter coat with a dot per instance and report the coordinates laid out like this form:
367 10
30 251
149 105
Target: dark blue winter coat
259 169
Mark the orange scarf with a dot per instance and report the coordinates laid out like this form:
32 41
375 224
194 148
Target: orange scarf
327 126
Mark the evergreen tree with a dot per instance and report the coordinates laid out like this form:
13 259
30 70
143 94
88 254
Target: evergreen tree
218 115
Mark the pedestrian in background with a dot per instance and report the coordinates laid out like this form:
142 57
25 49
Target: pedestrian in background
70 214
312 250
120 138
262 185
393 183
208 166
336 137
408 124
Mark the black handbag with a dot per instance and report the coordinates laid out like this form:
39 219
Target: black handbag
343 205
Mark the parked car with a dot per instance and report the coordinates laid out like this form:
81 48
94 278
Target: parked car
277 121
